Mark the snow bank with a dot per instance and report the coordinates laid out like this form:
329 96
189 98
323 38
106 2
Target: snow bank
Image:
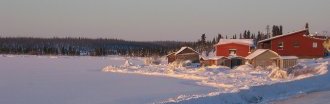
272 91
246 67
307 69
276 73
152 60
244 84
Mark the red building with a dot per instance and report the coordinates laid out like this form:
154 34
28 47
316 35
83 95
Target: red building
295 44
234 47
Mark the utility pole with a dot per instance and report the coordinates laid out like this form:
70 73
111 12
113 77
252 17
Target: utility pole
267 29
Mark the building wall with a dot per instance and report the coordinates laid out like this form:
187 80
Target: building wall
241 50
287 63
171 58
185 57
305 48
217 62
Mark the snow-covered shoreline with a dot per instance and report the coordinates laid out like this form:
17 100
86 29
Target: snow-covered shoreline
243 85
268 93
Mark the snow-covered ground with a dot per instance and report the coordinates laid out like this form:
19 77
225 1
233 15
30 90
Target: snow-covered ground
79 80
241 85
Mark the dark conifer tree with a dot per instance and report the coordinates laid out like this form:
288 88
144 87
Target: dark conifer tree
203 39
248 34
219 37
307 28
281 30
213 41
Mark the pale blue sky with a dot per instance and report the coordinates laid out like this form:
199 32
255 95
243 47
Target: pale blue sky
157 19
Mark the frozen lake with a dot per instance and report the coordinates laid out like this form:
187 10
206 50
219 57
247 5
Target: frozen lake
79 80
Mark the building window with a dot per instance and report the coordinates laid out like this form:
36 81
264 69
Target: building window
296 44
280 45
232 51
314 44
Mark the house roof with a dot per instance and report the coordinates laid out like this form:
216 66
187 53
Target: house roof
248 42
183 48
234 56
257 53
275 37
213 58
288 57
217 57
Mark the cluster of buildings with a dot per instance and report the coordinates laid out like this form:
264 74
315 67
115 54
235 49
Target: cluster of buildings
282 51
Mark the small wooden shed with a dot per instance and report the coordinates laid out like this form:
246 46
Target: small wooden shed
284 62
262 57
218 61
184 54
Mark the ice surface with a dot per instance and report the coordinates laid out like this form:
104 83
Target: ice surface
311 98
79 80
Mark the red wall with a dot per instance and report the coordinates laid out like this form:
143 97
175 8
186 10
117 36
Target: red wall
241 50
304 50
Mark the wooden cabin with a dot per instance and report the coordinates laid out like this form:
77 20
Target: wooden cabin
184 54
217 61
262 57
266 57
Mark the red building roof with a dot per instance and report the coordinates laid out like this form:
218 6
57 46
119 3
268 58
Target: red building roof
288 34
248 42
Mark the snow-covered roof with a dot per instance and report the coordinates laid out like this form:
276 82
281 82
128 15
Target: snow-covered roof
217 57
183 48
187 54
257 53
213 58
271 38
288 57
238 41
170 54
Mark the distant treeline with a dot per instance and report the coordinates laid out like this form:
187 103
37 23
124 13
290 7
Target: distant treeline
85 46
101 47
